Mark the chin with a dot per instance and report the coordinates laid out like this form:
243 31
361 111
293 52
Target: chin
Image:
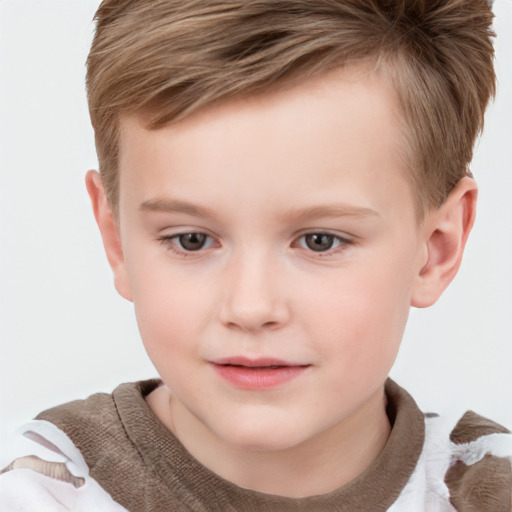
258 436
263 443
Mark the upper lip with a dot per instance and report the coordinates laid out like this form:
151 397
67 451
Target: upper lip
254 363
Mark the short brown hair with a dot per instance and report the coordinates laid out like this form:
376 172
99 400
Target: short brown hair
169 58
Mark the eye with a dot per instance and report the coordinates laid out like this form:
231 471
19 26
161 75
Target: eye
191 241
188 242
322 242
319 242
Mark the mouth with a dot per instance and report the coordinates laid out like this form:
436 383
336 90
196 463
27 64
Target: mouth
257 374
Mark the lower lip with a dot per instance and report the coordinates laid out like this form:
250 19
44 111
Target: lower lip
246 377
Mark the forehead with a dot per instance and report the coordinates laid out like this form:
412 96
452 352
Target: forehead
342 128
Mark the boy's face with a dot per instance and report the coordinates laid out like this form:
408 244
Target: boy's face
280 232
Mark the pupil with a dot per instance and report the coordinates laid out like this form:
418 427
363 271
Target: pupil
319 242
192 241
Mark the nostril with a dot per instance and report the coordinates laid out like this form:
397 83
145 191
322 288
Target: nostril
252 308
254 326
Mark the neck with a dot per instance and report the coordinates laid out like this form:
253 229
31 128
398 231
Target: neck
321 464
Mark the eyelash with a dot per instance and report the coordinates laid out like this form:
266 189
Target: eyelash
169 242
343 243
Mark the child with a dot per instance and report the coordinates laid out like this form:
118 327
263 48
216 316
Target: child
280 181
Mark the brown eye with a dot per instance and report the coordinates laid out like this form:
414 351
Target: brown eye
192 241
319 242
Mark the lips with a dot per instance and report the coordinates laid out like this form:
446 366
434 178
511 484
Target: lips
257 374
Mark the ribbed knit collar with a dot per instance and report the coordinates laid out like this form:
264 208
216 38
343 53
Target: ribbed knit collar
200 489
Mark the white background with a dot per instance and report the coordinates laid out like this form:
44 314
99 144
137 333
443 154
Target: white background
64 332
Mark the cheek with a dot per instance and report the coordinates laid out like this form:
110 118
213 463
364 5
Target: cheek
169 326
170 307
363 311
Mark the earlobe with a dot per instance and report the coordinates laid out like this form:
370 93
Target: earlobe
109 232
446 232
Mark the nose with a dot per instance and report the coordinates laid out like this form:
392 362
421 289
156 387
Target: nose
254 296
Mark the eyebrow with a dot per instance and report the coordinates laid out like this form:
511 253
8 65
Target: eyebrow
298 215
175 206
336 210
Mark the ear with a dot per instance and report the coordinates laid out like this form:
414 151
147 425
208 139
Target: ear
446 233
109 233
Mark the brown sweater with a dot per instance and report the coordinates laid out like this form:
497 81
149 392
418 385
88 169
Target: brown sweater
145 468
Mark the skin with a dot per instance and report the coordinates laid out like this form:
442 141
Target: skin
256 176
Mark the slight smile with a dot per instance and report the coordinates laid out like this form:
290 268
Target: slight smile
257 374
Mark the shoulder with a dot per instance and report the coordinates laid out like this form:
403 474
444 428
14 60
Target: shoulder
95 425
479 476
467 464
43 470
70 455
